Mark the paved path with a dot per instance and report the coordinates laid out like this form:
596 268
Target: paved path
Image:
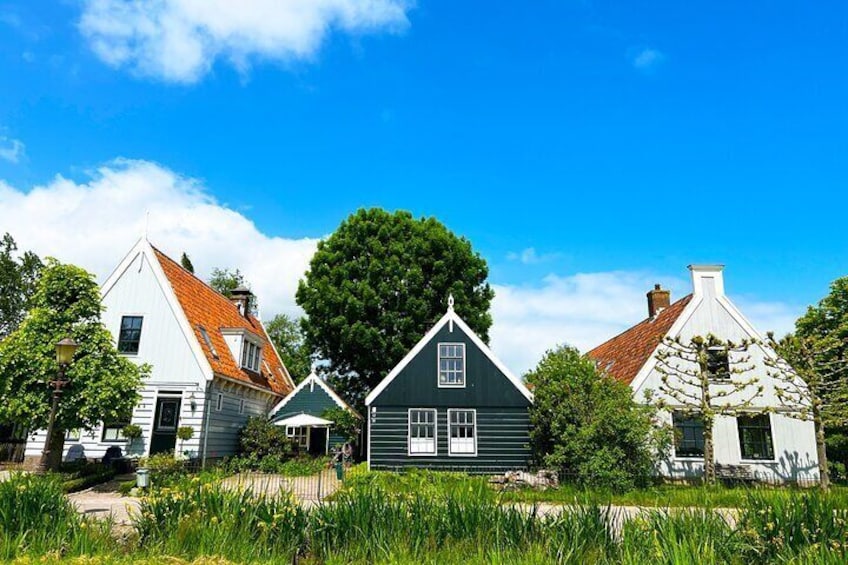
104 500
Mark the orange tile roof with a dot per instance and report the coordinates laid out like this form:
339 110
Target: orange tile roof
205 307
624 355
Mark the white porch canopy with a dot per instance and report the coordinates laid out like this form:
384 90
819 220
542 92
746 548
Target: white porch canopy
304 421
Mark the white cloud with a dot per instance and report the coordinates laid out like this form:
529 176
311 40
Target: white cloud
586 309
647 59
179 40
11 150
93 224
529 256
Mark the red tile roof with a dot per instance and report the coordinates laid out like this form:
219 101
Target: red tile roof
624 355
204 307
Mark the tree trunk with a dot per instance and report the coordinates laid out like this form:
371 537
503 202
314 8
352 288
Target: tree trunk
709 456
821 447
57 446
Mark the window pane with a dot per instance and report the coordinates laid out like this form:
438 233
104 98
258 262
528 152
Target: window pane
129 335
688 435
755 441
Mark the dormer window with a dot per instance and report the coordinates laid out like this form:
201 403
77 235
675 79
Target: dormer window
251 355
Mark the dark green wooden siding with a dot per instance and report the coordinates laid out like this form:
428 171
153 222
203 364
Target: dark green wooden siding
503 441
313 402
503 425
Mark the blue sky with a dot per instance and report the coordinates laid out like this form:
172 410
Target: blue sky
608 137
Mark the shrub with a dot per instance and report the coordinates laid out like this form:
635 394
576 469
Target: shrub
260 438
132 432
344 422
300 466
185 433
164 469
587 425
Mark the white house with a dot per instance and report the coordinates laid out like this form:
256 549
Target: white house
213 364
768 446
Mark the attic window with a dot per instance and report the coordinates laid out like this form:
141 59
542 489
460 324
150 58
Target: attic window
208 341
718 364
251 355
452 365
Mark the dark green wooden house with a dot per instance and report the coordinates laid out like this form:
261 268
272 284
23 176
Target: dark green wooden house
449 404
301 413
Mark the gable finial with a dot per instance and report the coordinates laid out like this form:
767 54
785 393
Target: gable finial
450 302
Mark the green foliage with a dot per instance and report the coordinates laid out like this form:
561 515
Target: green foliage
198 518
286 334
679 537
226 280
185 433
783 525
18 276
131 431
587 425
260 438
37 519
186 263
102 384
345 423
300 466
376 285
164 468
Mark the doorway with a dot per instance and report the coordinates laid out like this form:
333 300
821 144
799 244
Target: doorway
166 417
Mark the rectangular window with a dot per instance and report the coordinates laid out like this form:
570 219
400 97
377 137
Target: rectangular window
718 364
755 437
130 334
250 356
241 405
422 431
220 403
688 435
462 431
299 435
114 431
451 364
72 435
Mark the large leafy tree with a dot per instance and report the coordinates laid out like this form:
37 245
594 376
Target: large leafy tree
825 327
587 424
288 338
102 385
18 275
376 285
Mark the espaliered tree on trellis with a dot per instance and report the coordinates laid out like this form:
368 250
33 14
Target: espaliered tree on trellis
706 377
810 377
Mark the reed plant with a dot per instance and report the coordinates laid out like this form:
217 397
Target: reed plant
37 519
197 518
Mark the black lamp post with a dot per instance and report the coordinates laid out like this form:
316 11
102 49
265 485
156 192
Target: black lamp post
65 350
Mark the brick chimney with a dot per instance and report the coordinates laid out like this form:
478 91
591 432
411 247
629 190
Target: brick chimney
241 297
658 300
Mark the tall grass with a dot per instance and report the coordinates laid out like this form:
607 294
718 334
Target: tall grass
678 537
195 519
37 519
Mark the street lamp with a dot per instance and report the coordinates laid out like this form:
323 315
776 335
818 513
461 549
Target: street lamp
65 350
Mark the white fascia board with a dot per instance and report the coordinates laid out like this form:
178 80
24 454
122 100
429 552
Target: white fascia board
450 316
277 353
673 332
123 265
179 314
313 378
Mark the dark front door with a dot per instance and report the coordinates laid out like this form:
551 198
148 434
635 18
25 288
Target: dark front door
318 441
165 425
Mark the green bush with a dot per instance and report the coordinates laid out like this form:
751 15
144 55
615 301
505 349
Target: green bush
299 466
260 438
164 469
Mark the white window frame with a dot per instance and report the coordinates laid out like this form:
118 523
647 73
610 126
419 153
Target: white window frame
219 403
409 437
451 452
439 365
298 433
251 360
